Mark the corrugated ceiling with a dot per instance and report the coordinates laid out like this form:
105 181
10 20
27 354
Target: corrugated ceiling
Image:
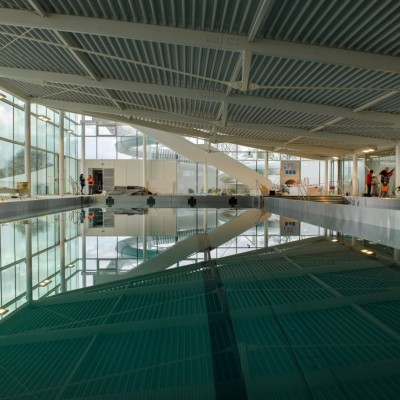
269 71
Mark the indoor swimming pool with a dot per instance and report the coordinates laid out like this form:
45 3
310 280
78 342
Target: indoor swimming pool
200 303
93 245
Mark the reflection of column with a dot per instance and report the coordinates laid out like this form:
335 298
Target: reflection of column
61 163
83 238
354 241
28 159
396 255
144 237
397 170
266 233
62 253
326 177
207 255
355 176
144 160
28 260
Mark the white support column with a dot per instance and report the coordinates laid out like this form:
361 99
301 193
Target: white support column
397 170
266 164
28 260
355 176
83 148
144 160
205 178
28 157
326 177
61 169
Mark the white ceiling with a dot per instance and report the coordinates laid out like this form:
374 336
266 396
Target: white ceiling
315 78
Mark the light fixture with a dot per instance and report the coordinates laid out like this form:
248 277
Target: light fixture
70 265
2 96
368 150
45 282
364 250
335 240
44 118
335 158
3 311
69 131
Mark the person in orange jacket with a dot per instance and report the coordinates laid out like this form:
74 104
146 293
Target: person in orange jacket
91 184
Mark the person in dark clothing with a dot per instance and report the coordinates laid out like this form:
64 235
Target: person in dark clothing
82 181
368 181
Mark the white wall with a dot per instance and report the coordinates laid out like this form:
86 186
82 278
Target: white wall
161 174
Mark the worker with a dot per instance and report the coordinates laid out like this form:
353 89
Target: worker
91 184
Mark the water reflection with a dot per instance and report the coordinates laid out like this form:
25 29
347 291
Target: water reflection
51 254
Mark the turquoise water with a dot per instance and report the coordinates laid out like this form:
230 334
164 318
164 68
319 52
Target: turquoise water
280 309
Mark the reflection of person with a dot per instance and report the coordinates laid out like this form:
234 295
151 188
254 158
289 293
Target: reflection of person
82 216
368 181
385 178
82 182
91 184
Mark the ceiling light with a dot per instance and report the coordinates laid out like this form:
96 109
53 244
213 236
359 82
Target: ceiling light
3 311
44 118
364 250
368 150
45 282
2 96
335 240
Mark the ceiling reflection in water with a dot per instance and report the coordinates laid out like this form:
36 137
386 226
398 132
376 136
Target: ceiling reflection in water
55 253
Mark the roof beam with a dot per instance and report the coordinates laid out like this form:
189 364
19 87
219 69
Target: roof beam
43 77
14 90
261 14
343 138
85 108
188 37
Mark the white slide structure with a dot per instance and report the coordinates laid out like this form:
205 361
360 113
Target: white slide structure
211 156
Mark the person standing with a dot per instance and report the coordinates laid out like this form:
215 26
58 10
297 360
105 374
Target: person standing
82 181
368 181
91 184
385 178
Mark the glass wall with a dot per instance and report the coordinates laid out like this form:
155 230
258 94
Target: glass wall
45 145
